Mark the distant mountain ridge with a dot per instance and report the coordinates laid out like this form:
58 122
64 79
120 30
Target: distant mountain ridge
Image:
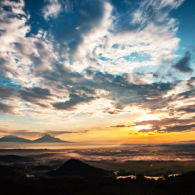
44 139
12 138
49 139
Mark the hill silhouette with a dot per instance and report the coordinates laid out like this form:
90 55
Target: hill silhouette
78 168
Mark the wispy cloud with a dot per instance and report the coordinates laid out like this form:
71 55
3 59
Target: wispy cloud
52 9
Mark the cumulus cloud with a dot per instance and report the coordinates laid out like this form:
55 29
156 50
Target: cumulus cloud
14 29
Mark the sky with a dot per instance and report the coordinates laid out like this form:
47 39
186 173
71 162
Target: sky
99 71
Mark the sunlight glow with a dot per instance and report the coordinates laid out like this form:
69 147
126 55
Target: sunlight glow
141 127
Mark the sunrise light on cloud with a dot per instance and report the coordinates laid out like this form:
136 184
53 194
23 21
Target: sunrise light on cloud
97 97
100 71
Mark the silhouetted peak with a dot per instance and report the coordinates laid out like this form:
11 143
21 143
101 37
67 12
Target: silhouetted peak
46 135
74 167
74 163
47 138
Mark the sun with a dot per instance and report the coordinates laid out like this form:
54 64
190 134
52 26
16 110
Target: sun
141 127
147 117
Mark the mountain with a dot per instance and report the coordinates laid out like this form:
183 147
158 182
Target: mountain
44 139
11 138
49 139
78 168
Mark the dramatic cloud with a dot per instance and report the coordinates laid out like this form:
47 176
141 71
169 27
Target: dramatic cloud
162 125
76 20
183 64
35 94
168 125
187 109
6 108
94 61
74 100
179 128
6 92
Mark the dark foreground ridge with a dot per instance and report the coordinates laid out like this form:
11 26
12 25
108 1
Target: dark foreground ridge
14 159
75 177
